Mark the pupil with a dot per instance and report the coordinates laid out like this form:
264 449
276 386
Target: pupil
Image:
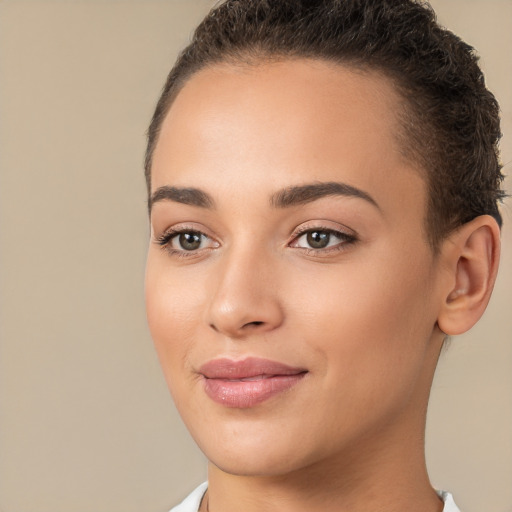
318 239
190 241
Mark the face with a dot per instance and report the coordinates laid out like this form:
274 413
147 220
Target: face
291 291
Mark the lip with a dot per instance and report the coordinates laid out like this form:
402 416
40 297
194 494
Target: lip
248 382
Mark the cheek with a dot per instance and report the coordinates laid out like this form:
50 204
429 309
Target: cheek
363 296
370 320
173 312
172 318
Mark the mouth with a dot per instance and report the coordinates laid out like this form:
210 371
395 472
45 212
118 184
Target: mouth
249 382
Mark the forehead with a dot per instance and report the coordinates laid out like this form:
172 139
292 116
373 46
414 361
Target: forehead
285 122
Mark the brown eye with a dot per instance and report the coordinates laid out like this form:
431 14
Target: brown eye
188 241
318 239
182 242
323 240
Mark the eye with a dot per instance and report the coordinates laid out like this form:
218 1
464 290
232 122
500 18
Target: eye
318 239
185 242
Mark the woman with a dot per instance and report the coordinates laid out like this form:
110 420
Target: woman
323 183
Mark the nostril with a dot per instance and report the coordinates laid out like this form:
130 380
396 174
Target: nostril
255 324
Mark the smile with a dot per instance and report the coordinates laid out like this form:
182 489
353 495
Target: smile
246 383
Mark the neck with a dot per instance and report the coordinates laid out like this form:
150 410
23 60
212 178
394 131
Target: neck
366 479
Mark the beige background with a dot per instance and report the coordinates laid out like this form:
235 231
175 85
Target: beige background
86 423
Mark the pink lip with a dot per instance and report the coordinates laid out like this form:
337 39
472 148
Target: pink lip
248 382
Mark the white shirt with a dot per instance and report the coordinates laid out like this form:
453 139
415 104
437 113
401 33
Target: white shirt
192 502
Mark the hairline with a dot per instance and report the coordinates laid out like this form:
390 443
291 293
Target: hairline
405 115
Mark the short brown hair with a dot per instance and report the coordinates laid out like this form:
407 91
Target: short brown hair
451 123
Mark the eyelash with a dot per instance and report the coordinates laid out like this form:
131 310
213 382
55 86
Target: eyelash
346 239
165 239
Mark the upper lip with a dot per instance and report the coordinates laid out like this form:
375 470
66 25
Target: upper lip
230 369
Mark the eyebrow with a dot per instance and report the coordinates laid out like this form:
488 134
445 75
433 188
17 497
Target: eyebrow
285 198
188 195
303 194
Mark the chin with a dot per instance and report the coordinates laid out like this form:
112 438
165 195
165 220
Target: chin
277 453
261 464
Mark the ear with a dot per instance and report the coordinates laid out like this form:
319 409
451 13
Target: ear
471 257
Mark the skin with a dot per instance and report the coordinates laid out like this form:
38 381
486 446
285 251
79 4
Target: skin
361 316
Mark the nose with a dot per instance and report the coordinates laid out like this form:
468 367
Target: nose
245 296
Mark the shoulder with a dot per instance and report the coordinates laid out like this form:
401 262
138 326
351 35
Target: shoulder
449 504
192 501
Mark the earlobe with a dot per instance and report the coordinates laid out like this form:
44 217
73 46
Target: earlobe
471 258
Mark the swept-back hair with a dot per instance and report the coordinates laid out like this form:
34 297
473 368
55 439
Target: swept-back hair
451 125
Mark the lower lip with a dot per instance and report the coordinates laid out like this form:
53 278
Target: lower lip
244 394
